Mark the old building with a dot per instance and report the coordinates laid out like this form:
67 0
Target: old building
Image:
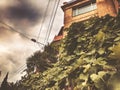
80 10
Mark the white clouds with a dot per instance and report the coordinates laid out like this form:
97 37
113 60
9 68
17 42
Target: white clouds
14 49
6 3
3 2
3 49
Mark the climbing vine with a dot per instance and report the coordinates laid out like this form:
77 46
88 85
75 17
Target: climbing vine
88 58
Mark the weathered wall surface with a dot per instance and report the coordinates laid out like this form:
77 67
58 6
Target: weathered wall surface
107 7
103 7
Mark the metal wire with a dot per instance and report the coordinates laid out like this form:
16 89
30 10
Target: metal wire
22 34
43 19
52 21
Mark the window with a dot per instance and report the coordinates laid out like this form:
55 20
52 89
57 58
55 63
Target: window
84 9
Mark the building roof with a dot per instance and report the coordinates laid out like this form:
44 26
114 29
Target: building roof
57 38
71 1
60 35
66 4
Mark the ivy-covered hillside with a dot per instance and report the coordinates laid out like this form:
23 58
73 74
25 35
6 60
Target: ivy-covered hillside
89 59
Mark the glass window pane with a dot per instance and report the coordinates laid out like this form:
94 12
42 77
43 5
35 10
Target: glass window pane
84 9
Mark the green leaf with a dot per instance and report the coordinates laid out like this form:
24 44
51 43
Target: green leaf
117 39
100 61
94 77
87 67
83 77
91 52
101 51
100 36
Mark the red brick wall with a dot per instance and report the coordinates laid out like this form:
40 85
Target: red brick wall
103 7
107 7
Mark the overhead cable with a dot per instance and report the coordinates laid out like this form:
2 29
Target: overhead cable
51 17
43 20
11 28
52 21
22 34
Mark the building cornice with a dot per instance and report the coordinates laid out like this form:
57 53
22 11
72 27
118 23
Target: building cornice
73 3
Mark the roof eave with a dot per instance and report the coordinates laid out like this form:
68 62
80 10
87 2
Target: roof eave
68 4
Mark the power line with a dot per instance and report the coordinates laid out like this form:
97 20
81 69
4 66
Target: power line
11 28
51 17
21 68
24 35
42 22
34 40
52 21
49 28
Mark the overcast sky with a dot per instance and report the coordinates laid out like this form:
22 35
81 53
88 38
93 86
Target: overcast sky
26 17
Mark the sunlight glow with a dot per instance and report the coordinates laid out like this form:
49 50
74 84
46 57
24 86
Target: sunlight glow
3 2
3 49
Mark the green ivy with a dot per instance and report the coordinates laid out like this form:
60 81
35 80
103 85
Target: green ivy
88 58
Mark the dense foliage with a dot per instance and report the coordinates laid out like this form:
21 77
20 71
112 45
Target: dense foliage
5 85
88 59
42 60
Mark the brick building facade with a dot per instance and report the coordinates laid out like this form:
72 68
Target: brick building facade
80 10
